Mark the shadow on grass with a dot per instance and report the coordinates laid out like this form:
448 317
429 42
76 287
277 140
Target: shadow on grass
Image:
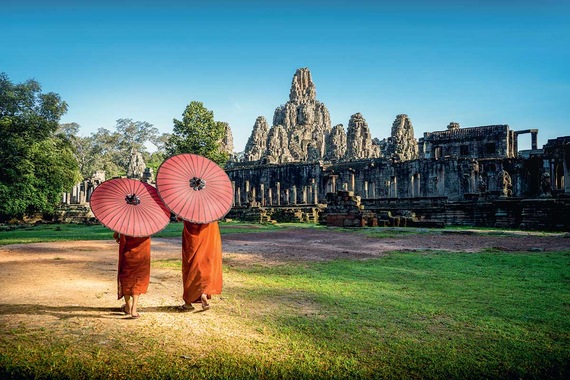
75 311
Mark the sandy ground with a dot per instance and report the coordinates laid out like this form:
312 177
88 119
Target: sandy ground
70 287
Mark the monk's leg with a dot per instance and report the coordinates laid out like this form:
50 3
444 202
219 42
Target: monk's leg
134 313
204 300
129 302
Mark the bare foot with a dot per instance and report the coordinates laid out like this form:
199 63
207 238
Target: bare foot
185 307
124 309
204 299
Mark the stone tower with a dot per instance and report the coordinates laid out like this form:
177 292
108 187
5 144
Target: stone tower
305 120
277 152
136 167
336 144
257 142
359 140
227 143
402 145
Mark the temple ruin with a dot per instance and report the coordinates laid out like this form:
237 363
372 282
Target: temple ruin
300 168
472 176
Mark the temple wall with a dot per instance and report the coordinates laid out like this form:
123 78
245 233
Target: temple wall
456 179
450 191
267 185
493 141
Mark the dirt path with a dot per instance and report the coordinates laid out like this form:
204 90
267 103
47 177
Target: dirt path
71 286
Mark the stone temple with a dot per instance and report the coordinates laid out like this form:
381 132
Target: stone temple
303 169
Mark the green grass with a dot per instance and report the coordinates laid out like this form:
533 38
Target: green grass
495 315
408 315
68 232
419 315
392 232
52 232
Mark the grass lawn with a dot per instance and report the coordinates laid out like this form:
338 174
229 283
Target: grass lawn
408 315
65 232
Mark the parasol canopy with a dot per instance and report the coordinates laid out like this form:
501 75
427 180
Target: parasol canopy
194 188
129 207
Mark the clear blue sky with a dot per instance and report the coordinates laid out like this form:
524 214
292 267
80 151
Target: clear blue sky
472 62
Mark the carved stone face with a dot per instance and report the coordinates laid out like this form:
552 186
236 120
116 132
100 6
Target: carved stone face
305 115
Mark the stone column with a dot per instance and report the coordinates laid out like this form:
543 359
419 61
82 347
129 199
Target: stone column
534 139
395 184
352 183
393 187
262 194
473 182
416 185
365 190
316 191
74 195
234 193
83 193
441 183
287 200
294 195
304 195
270 197
238 196
567 173
278 193
89 192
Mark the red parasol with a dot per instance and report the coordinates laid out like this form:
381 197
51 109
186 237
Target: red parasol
129 207
194 188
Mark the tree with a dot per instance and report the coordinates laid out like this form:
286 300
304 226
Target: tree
157 157
111 151
133 136
55 169
68 130
101 152
35 168
198 133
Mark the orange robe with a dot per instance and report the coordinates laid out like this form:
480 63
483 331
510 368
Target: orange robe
201 261
134 265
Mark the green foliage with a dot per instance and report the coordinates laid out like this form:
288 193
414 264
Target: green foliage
154 160
56 171
111 151
198 133
37 164
135 134
104 154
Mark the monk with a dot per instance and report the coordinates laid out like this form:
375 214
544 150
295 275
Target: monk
201 264
134 270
